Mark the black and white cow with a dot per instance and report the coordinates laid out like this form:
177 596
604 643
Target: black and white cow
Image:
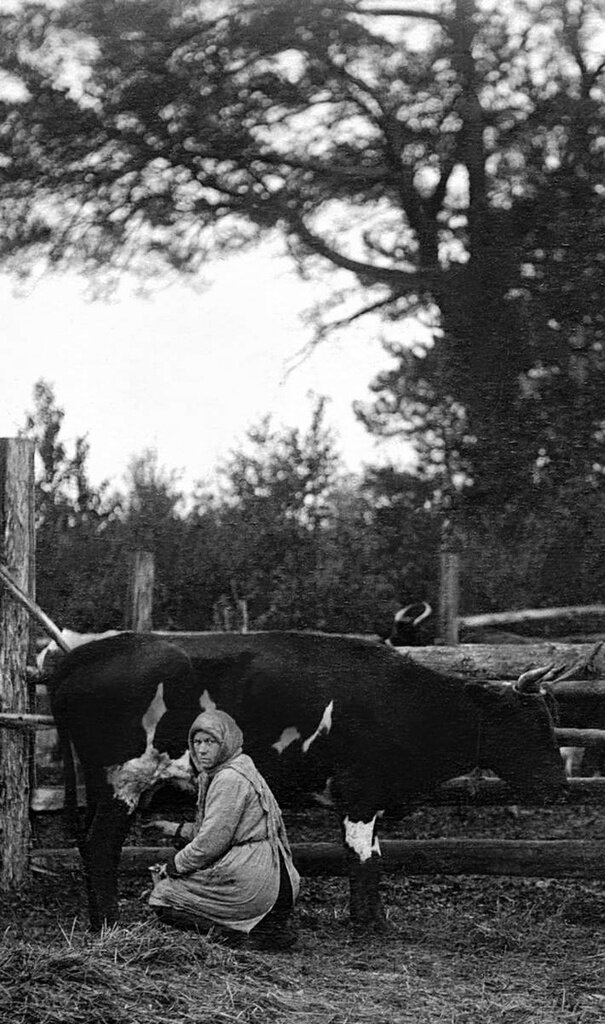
383 729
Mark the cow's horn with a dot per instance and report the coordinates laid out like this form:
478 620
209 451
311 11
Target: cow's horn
427 610
528 681
401 613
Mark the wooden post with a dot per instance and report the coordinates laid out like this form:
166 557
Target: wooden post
449 589
17 552
139 615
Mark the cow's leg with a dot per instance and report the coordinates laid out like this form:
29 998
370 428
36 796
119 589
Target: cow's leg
101 854
364 867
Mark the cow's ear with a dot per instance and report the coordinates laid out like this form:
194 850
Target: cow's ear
485 695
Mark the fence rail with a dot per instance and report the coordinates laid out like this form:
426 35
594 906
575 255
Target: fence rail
549 858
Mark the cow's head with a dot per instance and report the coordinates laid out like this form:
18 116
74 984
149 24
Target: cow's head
516 737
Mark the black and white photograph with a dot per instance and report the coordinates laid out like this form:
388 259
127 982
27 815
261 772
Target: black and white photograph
302 544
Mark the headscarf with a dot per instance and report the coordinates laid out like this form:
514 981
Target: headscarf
224 729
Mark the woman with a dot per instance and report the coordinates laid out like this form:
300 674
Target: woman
235 869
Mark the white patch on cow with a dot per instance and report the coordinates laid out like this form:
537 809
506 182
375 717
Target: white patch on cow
156 710
131 779
72 640
322 729
206 702
359 837
324 799
288 736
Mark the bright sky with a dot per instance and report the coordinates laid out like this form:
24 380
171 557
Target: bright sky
184 372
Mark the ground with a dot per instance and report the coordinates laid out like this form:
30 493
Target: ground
459 950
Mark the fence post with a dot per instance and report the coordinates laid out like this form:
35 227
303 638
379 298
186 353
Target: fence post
139 613
449 588
17 552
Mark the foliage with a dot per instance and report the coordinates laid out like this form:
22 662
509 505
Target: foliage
301 544
458 180
79 576
286 536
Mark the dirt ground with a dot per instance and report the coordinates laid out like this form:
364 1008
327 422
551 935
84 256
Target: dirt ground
461 950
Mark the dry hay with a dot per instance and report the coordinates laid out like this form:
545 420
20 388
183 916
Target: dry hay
460 950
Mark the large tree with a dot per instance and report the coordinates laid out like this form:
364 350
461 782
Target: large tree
441 179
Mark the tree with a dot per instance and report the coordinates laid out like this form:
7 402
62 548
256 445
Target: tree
422 175
78 579
305 545
275 502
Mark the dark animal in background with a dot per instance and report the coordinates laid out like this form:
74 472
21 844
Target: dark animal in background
407 629
346 717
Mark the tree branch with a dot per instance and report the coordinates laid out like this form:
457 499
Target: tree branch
331 170
402 282
404 12
346 321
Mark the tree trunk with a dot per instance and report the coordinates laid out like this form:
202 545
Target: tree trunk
17 552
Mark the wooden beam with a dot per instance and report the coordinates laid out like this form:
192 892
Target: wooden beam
550 858
26 721
17 554
502 661
588 738
575 611
34 609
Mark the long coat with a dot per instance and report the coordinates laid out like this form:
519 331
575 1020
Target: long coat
229 872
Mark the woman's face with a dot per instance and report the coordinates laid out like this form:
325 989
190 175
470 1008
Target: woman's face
206 749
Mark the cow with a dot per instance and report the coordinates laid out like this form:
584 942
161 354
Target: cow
380 729
407 629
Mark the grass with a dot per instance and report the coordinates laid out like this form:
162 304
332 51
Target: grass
459 951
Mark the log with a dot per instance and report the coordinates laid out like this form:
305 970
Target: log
12 720
502 661
17 553
34 609
575 611
550 858
588 738
580 687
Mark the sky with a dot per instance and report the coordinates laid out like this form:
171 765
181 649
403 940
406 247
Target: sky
186 371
